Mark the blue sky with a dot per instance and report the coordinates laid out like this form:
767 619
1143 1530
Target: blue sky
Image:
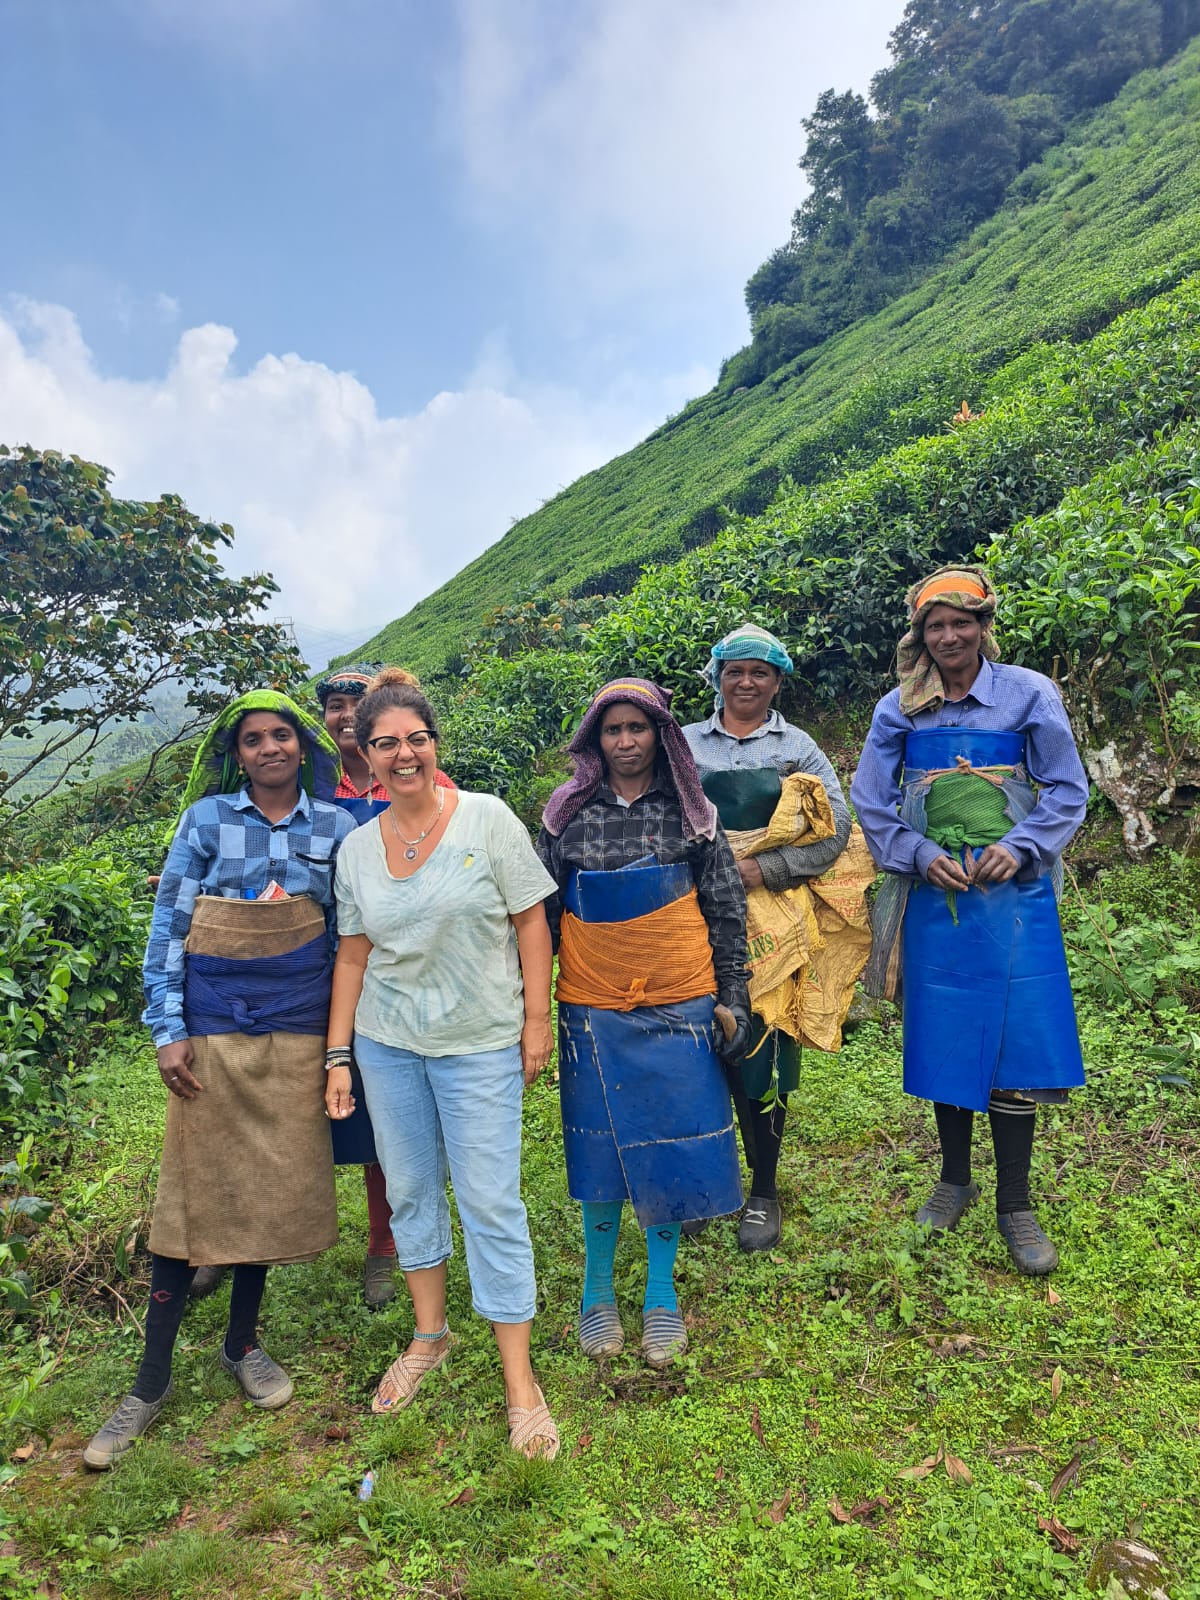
371 279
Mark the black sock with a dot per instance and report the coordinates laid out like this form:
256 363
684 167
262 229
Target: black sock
1012 1140
954 1126
768 1137
170 1281
744 1107
244 1300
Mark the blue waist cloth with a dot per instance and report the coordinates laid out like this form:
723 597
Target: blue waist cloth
259 994
361 807
646 1111
354 1138
987 998
626 893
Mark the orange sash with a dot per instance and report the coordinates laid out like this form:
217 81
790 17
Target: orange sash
655 960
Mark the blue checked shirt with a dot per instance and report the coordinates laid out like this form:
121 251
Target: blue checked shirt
1001 700
224 846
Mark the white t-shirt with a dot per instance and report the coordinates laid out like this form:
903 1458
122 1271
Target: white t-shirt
443 977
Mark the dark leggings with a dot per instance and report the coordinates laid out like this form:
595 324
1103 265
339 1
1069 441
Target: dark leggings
170 1281
1012 1140
762 1135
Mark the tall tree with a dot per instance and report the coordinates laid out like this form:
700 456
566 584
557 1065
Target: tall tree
104 601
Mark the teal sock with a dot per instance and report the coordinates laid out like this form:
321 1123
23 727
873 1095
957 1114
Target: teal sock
601 1225
661 1244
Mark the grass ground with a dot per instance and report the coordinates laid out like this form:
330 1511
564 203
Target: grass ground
773 1457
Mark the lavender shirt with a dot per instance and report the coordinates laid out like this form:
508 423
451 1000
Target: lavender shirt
1002 699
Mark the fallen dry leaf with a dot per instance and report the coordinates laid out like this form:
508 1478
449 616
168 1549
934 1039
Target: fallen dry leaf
838 1511
719 1473
958 1470
954 1344
924 1468
1052 1295
464 1496
756 1426
334 1432
1061 1479
8 1549
867 1510
23 1454
1056 1383
1066 1541
777 1510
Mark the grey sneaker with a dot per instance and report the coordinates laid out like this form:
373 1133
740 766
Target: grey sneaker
761 1225
1031 1251
947 1205
263 1381
206 1281
379 1280
127 1423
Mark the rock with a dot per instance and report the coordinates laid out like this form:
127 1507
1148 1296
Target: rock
867 1008
1138 1571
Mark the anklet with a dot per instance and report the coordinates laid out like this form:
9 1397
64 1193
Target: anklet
433 1338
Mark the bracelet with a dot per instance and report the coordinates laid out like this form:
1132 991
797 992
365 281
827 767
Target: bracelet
340 1057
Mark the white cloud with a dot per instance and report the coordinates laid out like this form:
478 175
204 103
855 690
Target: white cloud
650 144
357 515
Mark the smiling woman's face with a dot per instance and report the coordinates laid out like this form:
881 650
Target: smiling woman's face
268 748
952 637
748 687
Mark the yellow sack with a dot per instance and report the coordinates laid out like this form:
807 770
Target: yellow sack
806 946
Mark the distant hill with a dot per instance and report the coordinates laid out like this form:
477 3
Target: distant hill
1102 222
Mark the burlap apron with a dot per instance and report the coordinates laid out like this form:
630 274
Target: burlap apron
247 1166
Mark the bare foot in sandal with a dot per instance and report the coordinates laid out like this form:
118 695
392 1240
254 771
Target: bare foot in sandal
407 1373
531 1429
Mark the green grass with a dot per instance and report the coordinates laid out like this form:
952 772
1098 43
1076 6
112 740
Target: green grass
816 1374
1109 218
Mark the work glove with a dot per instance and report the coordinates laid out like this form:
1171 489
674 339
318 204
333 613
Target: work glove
732 1015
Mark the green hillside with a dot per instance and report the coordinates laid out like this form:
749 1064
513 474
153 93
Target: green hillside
1106 220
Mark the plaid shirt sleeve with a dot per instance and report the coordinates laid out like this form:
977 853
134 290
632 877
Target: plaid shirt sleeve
187 865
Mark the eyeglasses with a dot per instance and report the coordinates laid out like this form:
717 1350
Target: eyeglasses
420 739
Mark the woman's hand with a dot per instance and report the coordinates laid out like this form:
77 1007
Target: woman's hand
339 1098
537 1046
946 873
750 873
174 1068
993 865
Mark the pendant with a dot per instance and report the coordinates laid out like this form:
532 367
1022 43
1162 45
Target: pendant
411 853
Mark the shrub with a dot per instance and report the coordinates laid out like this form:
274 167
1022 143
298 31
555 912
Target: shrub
72 935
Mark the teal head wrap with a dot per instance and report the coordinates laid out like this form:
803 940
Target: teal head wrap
747 642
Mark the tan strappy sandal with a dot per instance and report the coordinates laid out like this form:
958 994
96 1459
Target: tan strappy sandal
409 1371
531 1430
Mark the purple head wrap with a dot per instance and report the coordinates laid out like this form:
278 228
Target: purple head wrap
699 813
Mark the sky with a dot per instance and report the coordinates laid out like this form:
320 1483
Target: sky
372 279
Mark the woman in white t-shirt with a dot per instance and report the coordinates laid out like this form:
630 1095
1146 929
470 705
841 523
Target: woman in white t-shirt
443 983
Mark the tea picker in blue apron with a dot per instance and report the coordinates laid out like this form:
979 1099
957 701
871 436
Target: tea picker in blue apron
968 790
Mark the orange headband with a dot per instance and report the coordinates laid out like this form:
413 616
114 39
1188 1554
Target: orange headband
950 585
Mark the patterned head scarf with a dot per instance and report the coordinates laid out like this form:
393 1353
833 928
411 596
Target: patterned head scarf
347 680
216 771
967 588
699 813
747 642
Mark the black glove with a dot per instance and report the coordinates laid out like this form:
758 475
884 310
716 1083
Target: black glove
733 1041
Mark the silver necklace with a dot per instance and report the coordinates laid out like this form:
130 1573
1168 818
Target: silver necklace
410 853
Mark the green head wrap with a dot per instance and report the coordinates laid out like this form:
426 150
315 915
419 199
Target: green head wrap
216 771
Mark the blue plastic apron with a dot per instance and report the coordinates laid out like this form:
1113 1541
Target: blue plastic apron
645 1105
987 1000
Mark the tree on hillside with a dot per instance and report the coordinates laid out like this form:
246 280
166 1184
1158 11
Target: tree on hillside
976 92
102 602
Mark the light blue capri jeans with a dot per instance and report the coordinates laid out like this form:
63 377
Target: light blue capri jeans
462 1115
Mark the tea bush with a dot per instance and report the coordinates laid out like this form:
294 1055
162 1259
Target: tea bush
72 933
